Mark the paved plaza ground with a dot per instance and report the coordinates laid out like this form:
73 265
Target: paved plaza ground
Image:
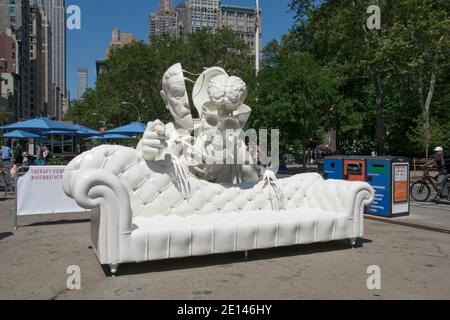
414 264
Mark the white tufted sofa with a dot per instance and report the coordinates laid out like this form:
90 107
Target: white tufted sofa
140 213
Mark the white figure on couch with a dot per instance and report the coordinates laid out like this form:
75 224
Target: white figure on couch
207 156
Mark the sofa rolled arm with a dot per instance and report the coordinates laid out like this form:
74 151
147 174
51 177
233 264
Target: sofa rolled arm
343 196
363 194
98 188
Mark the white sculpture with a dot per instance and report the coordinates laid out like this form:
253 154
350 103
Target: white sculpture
153 203
220 100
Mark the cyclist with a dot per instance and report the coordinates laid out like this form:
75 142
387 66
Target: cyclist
443 172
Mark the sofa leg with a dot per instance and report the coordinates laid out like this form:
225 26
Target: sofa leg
114 268
246 255
353 242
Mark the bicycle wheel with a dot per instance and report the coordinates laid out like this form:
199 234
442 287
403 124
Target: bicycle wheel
420 191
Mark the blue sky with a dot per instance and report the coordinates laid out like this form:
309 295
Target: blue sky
99 17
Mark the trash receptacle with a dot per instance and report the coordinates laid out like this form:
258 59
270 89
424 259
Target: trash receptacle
333 168
355 169
390 177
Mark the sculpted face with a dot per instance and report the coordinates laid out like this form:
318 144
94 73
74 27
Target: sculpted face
175 96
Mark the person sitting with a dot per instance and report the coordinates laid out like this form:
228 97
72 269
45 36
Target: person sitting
46 155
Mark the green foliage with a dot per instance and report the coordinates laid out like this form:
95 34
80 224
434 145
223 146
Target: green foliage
386 73
295 95
56 161
135 72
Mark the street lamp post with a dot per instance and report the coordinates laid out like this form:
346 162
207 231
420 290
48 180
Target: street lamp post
135 107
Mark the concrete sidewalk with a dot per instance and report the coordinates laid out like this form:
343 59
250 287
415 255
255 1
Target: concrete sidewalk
414 263
427 214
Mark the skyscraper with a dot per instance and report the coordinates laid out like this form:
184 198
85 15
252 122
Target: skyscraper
164 20
36 63
118 40
15 20
242 21
48 107
182 18
82 82
9 72
56 13
203 14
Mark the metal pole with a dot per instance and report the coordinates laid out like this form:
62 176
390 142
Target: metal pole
257 53
14 210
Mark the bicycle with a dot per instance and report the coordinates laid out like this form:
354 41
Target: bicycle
421 190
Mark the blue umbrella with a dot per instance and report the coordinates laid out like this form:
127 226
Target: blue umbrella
81 131
130 129
85 131
40 124
109 137
20 134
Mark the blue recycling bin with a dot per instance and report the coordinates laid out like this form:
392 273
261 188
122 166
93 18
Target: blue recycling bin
390 178
333 168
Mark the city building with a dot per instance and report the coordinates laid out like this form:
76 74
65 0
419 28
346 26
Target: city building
118 40
4 105
65 105
57 103
82 82
55 11
9 72
204 14
182 19
15 21
242 21
36 63
101 67
46 58
164 20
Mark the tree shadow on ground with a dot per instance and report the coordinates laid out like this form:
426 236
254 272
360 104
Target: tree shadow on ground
231 258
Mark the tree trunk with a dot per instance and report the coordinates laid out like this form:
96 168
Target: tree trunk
427 111
381 130
424 114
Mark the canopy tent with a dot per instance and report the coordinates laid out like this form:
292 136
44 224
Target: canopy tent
20 134
39 125
109 137
85 131
131 129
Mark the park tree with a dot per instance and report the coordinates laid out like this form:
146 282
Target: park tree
295 95
406 49
135 72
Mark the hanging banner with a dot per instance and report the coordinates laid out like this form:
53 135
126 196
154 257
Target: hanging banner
40 191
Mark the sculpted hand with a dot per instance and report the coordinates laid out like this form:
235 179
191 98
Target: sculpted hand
154 142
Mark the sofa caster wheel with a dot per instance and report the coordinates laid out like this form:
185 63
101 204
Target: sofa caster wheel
353 242
114 268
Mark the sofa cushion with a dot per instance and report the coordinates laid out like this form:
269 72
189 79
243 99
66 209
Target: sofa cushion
163 237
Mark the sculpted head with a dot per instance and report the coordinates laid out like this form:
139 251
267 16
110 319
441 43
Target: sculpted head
175 96
227 92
